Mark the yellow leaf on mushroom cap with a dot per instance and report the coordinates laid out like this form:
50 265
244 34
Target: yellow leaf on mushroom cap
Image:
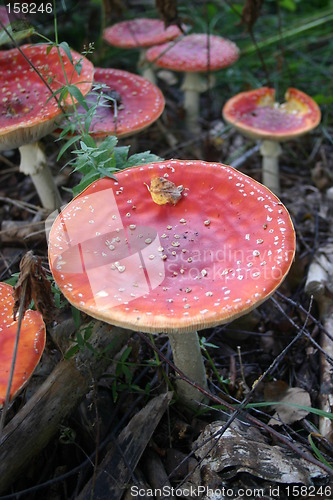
163 191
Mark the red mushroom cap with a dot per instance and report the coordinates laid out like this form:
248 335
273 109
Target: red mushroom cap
197 52
141 103
219 252
256 114
141 32
31 344
26 113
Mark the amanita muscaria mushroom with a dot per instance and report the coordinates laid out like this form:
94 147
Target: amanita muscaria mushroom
256 115
27 111
30 348
138 103
140 33
219 252
194 55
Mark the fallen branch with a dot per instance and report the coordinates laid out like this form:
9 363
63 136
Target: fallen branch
116 469
21 233
317 284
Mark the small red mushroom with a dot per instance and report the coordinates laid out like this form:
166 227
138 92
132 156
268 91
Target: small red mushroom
256 114
140 33
27 111
218 252
30 348
193 55
138 103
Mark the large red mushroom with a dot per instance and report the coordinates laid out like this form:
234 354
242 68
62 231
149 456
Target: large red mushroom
202 246
256 115
27 109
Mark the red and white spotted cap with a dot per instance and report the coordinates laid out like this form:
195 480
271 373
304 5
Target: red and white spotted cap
195 53
256 114
140 32
26 111
139 104
219 252
30 348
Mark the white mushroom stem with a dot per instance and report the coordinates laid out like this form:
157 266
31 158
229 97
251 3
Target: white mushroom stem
146 68
270 151
33 163
193 85
188 358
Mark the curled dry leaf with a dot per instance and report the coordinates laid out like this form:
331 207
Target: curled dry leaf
163 191
38 287
287 396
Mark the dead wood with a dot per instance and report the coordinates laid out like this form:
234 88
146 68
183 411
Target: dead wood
326 393
318 285
22 233
156 473
38 421
120 461
143 489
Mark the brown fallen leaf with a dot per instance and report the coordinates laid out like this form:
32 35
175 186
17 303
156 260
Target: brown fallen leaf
163 191
286 396
38 287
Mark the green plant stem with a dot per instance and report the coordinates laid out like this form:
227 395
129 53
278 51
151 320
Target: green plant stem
56 39
215 370
159 364
317 452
